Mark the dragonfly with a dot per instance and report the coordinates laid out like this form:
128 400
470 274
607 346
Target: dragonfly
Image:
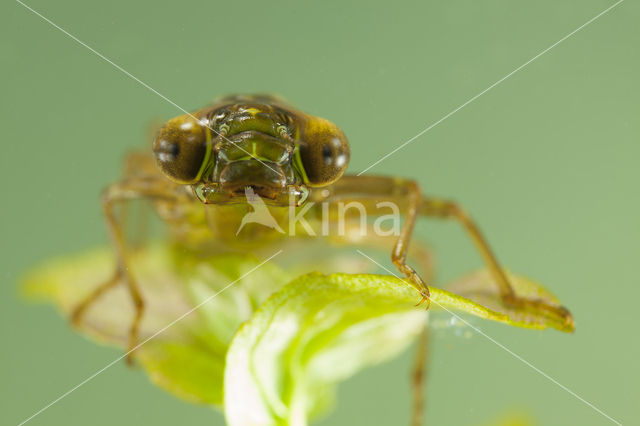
207 169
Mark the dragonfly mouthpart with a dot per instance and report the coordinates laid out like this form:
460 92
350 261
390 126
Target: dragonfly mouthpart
276 184
267 178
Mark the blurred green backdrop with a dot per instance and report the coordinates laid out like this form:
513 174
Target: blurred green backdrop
547 162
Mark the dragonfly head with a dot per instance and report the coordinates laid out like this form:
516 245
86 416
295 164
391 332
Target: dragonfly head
279 153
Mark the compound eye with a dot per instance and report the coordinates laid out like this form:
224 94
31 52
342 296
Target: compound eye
324 151
180 148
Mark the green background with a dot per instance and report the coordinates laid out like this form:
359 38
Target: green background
547 162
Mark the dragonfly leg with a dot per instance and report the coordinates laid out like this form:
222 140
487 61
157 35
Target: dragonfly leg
399 253
370 191
418 376
418 252
450 210
78 312
137 188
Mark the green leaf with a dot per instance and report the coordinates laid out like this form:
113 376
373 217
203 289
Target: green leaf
278 349
320 329
314 332
513 418
187 358
482 289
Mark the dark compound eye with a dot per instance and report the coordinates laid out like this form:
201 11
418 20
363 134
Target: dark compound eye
324 152
180 148
166 150
327 155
